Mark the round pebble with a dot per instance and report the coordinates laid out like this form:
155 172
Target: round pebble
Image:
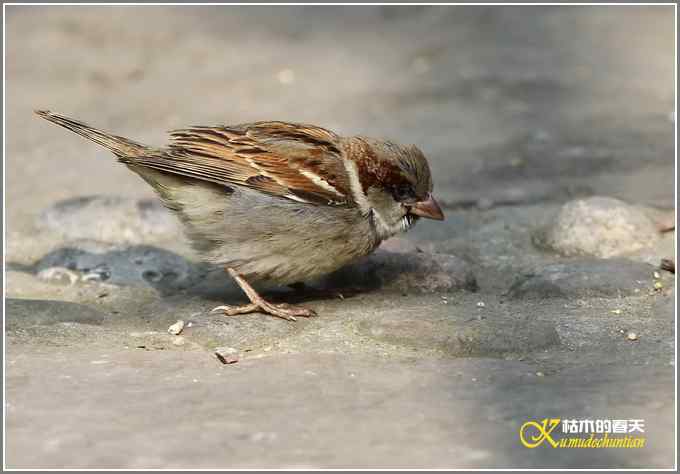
176 328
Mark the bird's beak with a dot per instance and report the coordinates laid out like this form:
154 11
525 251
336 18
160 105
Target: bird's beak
428 209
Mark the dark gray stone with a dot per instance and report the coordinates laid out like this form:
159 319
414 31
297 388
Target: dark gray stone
408 272
137 265
585 278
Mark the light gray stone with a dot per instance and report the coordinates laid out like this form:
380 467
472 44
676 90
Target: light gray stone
110 219
598 226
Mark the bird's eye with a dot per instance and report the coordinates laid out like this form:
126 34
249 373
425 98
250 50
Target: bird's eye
403 193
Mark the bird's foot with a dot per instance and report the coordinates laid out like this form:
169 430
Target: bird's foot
259 304
229 310
281 310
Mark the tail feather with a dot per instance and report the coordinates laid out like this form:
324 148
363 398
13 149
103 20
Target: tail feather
121 147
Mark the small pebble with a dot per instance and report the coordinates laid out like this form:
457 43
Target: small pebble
539 374
516 162
176 328
91 277
657 275
420 65
227 355
480 304
631 336
484 203
286 76
658 285
616 311
59 274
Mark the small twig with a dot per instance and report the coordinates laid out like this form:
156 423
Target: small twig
668 264
666 223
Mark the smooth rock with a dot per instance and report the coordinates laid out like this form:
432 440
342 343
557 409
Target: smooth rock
598 226
585 278
417 272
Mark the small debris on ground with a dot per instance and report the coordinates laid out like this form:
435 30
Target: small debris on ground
616 311
227 355
481 304
631 336
176 328
286 76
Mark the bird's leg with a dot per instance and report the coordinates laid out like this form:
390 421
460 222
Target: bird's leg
257 303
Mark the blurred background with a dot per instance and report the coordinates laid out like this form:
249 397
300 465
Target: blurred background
516 103
519 109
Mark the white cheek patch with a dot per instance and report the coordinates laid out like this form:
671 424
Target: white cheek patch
382 227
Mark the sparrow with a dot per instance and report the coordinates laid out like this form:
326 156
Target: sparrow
278 201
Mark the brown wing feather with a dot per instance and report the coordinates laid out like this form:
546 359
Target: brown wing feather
300 162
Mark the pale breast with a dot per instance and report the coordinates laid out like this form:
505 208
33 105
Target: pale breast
284 242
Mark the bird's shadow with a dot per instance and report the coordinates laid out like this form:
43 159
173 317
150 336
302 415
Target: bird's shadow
170 273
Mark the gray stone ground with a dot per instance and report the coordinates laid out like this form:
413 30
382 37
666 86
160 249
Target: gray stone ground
519 306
